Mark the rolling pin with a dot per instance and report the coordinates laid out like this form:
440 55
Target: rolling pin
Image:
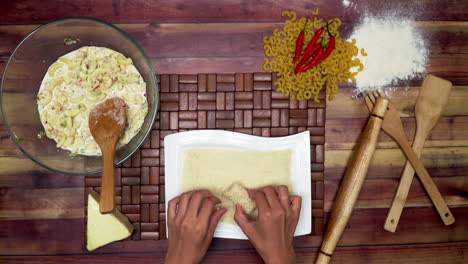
352 182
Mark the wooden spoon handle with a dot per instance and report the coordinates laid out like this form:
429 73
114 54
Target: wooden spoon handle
352 182
429 185
107 202
399 200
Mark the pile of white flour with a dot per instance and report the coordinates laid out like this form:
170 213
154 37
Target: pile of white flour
396 51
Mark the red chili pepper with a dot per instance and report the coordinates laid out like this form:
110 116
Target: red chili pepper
312 42
314 39
299 43
330 48
307 56
313 62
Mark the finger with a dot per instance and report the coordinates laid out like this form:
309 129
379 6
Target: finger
206 209
184 200
194 204
261 201
283 195
242 220
276 188
251 192
272 197
214 220
172 208
296 202
208 194
214 199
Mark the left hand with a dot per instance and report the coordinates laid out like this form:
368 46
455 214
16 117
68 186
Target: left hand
192 220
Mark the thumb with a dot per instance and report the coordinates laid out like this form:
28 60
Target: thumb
215 219
242 220
251 192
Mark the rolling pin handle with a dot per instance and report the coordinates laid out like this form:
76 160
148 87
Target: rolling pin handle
323 258
352 182
380 108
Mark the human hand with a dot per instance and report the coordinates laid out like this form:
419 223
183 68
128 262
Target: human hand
192 220
273 231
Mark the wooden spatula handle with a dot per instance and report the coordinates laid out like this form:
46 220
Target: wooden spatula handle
429 185
107 202
398 203
352 182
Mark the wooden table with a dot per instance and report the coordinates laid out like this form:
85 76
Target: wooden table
42 213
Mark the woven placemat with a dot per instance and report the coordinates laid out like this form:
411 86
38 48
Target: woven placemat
241 102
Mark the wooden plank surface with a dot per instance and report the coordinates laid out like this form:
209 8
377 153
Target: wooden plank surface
453 253
442 38
207 11
173 53
204 36
66 236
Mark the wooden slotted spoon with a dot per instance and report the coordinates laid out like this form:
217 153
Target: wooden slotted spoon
106 122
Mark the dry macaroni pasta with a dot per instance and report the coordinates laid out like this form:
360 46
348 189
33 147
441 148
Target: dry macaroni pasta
78 81
279 51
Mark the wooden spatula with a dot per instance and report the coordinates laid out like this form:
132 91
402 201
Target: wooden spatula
431 102
106 121
394 128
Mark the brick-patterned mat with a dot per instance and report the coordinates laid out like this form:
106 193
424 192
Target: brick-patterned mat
242 102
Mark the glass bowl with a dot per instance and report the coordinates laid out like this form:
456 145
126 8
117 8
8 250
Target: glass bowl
23 75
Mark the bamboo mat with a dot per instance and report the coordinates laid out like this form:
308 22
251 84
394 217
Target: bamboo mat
241 102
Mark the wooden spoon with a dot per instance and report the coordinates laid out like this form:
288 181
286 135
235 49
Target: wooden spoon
431 102
106 122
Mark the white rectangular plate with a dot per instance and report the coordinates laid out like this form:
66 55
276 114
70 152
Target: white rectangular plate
299 144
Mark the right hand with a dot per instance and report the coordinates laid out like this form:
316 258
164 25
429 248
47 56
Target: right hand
272 232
